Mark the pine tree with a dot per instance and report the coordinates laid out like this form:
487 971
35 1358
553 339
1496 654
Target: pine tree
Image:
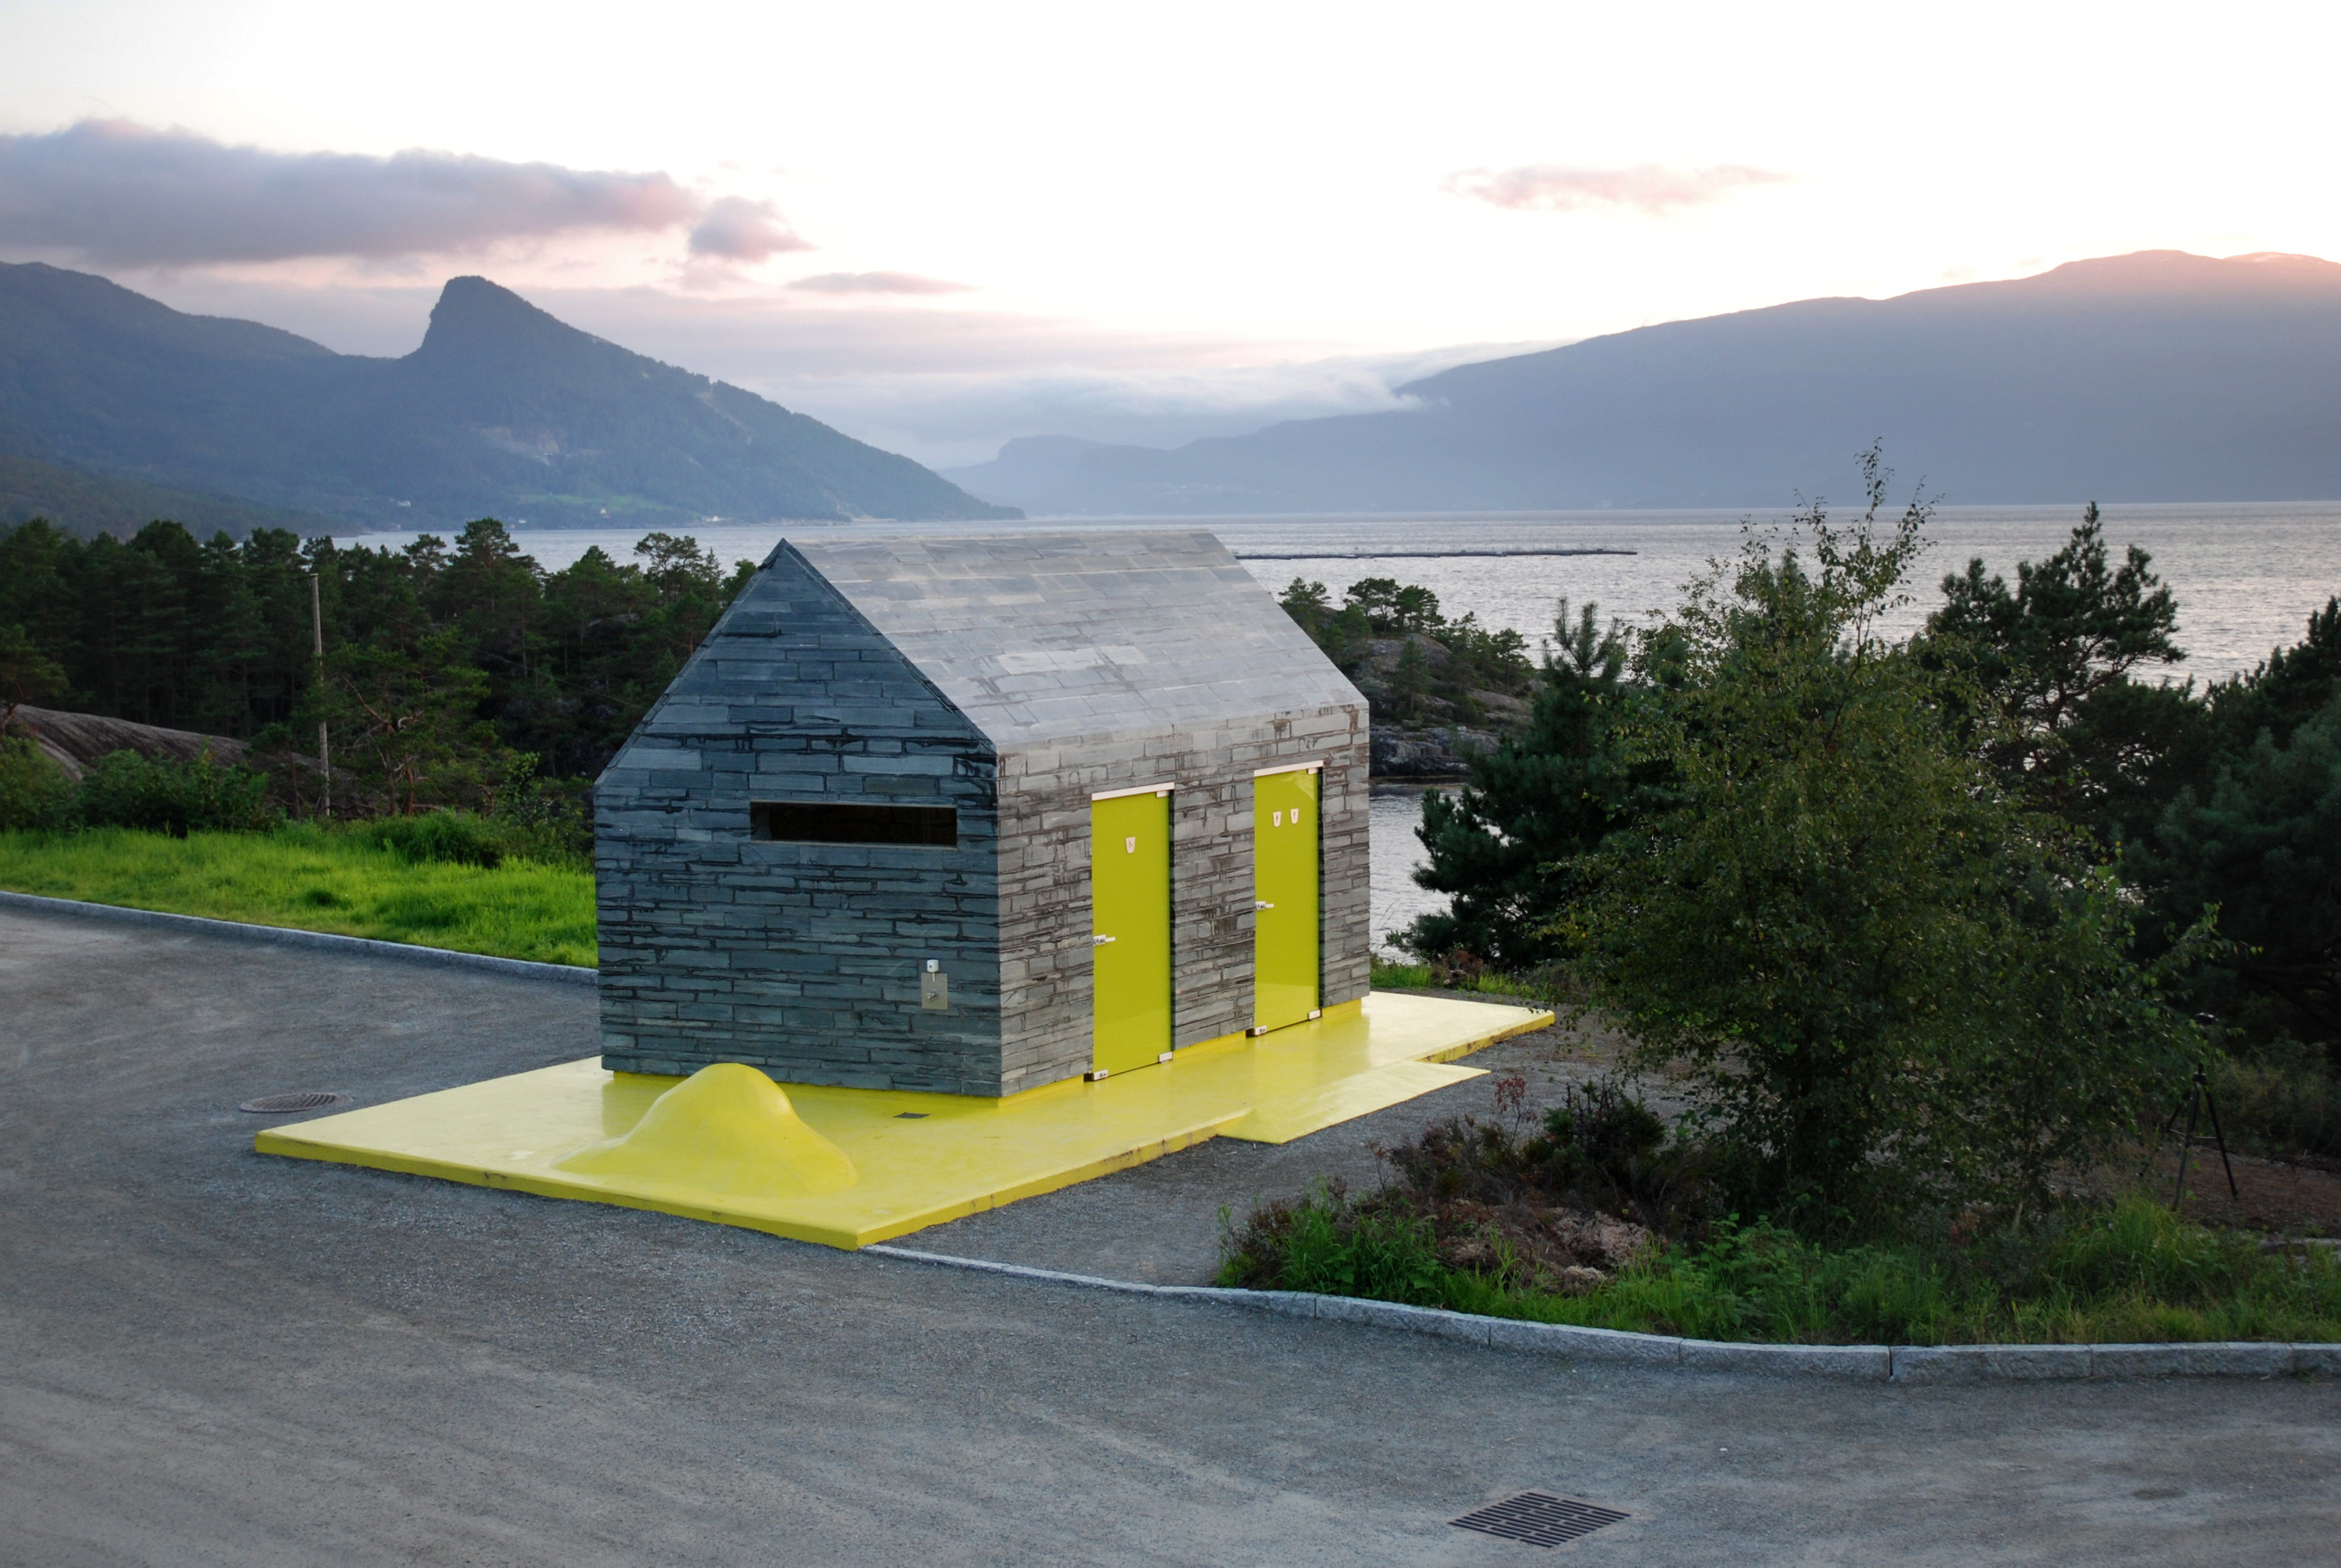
1501 844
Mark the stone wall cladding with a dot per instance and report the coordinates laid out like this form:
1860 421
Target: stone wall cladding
1013 678
802 960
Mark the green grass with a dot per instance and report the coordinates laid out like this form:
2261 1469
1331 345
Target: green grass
315 879
2128 1272
1385 976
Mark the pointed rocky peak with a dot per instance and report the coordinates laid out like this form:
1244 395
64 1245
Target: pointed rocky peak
477 322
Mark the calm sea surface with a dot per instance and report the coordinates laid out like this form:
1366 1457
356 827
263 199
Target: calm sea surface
2246 578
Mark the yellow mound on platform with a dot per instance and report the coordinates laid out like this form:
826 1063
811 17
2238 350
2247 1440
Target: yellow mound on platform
724 1129
851 1166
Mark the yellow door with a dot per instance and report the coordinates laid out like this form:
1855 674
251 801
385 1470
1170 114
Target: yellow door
1284 888
1130 906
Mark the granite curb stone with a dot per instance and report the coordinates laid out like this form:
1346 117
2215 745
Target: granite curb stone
2317 1358
1408 1319
2141 1360
1864 1363
2241 1359
1874 1361
1975 1362
1601 1345
287 936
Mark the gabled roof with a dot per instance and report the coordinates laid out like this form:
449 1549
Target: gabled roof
1041 637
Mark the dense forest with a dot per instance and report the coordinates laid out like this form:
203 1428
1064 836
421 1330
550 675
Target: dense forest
451 672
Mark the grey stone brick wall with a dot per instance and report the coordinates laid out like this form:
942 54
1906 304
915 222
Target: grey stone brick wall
799 959
1012 678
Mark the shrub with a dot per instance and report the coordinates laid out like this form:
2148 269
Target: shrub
34 792
1601 1131
1599 1150
2262 841
123 789
1387 976
545 819
2284 1102
447 837
1324 1242
1885 981
461 838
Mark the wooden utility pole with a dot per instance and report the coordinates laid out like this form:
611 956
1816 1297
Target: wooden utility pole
324 746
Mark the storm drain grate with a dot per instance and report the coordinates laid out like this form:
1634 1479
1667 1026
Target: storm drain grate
1539 1518
307 1100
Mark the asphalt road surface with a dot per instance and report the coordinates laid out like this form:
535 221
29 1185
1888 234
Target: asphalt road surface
211 1356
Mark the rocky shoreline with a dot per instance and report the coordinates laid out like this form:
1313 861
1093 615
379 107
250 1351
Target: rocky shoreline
1428 756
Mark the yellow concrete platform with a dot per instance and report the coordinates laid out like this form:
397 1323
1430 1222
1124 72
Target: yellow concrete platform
851 1166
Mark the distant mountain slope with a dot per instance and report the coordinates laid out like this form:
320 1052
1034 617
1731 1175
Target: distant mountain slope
2158 377
1042 472
84 503
503 412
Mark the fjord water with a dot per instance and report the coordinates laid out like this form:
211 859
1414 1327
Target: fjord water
2246 577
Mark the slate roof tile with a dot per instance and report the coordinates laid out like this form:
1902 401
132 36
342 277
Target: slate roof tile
1040 637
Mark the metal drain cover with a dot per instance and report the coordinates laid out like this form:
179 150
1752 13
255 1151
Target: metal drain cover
307 1100
1540 1519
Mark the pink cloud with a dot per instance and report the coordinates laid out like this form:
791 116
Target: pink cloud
879 283
737 229
1651 189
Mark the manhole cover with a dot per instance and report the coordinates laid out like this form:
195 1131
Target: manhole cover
307 1100
1540 1519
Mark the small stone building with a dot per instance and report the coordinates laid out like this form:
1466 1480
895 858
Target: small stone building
976 813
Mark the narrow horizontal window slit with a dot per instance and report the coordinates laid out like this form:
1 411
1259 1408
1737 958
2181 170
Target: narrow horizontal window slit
823 821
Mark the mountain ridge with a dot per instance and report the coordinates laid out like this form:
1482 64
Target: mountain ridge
2159 376
504 410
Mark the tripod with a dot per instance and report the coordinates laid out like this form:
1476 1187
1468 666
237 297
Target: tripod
2202 1098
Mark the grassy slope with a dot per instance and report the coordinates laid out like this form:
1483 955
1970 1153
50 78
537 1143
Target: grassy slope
2129 1273
313 880
2134 1274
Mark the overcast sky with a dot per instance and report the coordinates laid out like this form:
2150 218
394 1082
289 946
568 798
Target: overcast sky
941 225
